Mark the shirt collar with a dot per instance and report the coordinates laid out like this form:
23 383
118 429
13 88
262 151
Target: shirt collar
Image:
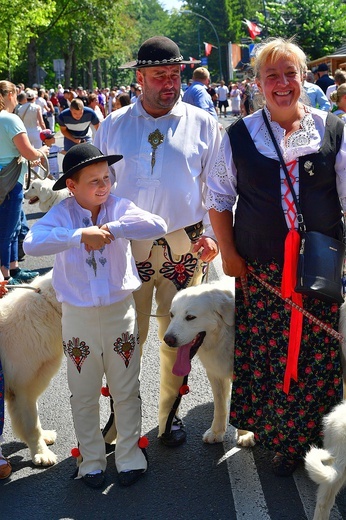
138 110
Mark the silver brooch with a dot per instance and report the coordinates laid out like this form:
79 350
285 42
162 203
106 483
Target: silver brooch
309 167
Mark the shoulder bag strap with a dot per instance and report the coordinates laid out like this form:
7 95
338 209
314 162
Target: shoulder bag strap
25 111
300 217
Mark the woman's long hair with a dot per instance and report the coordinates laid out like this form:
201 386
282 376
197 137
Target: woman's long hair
5 88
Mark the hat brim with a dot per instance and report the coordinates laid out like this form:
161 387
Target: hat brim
61 183
135 65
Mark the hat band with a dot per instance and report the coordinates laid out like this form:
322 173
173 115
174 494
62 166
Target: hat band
158 62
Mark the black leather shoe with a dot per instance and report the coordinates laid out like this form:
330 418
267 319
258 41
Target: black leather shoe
175 437
127 478
94 481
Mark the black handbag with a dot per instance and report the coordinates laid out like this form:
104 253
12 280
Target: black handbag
321 257
9 176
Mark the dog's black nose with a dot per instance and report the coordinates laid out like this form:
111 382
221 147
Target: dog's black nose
170 340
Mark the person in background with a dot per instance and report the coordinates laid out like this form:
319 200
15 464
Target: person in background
122 100
82 95
14 142
222 96
339 78
47 138
317 97
235 97
324 80
75 123
197 94
42 102
287 371
339 98
31 115
168 148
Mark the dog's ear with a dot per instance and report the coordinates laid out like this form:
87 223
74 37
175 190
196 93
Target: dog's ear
224 306
44 193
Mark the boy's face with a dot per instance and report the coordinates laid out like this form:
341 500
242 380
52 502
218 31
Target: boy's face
92 187
50 141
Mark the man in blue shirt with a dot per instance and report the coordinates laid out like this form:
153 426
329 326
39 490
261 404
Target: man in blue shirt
75 124
197 94
317 97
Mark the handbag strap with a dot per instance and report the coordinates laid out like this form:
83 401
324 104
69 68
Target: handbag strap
23 115
300 217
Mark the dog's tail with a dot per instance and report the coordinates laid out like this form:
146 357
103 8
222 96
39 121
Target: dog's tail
321 466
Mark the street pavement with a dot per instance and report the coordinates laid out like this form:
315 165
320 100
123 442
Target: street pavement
193 482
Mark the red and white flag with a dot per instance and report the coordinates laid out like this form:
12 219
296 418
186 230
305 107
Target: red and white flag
192 64
254 29
208 47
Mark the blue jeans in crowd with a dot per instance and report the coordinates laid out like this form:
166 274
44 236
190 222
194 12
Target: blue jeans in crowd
10 211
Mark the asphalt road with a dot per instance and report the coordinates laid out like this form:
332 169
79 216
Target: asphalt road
192 482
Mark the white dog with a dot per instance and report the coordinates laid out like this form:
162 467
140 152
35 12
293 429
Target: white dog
202 319
327 467
41 191
31 353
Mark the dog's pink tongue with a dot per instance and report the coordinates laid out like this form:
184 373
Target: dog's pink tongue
182 365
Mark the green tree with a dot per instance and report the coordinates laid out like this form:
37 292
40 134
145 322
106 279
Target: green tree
298 18
19 23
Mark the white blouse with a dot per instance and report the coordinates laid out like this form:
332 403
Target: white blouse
222 180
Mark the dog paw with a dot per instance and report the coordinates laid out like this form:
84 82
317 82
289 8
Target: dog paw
246 439
44 459
211 437
48 458
49 436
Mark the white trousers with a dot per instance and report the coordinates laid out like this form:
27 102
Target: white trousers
98 341
167 273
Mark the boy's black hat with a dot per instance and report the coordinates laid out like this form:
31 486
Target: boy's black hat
80 156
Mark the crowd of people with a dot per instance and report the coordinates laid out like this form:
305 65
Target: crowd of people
177 184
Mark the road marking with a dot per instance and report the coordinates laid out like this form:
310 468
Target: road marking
244 477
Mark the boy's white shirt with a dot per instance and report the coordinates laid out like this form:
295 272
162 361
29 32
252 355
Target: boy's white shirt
100 277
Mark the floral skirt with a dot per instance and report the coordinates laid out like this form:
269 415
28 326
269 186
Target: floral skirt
286 423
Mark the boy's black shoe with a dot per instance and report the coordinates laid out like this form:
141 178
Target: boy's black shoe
94 480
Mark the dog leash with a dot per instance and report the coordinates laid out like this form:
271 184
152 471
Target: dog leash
332 332
24 286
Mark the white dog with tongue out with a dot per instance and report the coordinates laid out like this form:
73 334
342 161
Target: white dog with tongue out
202 320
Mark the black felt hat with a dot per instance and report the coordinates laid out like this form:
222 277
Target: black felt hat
158 51
80 156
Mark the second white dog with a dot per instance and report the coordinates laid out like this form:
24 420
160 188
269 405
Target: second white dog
202 318
327 467
41 191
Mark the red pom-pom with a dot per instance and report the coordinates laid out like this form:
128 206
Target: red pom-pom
105 391
184 389
75 452
143 442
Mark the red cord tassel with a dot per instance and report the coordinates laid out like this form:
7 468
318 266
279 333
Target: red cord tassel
289 277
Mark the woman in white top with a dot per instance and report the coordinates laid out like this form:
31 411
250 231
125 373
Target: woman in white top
287 372
31 115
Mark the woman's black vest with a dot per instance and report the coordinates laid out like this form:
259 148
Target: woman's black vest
260 226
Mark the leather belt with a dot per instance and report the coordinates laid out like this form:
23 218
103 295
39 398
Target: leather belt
193 232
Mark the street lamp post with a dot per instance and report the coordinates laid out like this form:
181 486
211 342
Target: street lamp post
187 11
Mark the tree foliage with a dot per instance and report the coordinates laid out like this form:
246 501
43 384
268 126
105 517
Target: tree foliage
94 37
319 27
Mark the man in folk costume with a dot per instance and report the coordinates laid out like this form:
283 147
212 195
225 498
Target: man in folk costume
168 148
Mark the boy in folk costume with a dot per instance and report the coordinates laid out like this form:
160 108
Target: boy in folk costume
94 276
